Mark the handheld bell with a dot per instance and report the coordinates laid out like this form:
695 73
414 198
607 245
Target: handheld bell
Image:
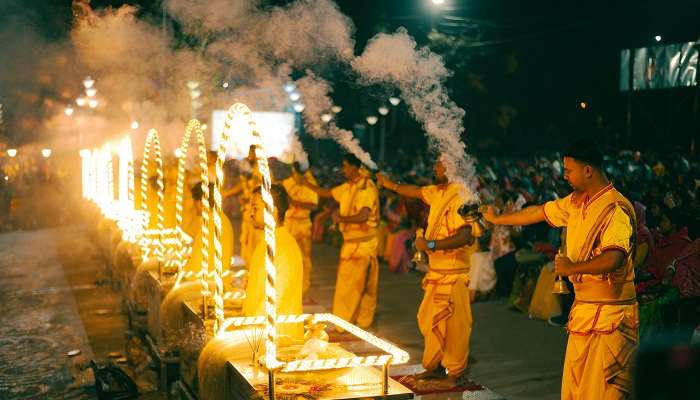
560 286
419 257
559 283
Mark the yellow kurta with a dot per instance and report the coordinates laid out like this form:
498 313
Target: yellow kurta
355 297
298 220
444 316
250 236
604 320
288 262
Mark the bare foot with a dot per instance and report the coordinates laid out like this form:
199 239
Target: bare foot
437 373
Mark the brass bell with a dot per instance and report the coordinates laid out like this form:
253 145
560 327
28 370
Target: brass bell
559 283
419 257
560 286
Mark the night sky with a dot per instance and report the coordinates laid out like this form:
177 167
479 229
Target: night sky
521 68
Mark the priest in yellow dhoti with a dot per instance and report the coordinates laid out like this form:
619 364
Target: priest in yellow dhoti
444 316
247 183
302 201
355 297
597 259
288 265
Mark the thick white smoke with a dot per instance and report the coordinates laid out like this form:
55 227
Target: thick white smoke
316 94
420 74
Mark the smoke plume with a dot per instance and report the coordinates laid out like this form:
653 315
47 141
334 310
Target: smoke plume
420 74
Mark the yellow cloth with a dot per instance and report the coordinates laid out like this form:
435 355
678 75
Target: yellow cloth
544 303
444 316
603 323
298 220
355 297
169 198
250 236
288 263
194 264
352 197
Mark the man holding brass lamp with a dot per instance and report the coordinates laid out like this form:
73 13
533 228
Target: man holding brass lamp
444 316
600 243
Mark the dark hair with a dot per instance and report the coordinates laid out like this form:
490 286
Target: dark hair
674 215
352 160
198 193
585 151
280 198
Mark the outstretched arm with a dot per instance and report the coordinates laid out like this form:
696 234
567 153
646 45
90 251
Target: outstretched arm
526 216
404 190
318 190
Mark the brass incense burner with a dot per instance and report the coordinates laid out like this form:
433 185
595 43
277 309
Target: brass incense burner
471 213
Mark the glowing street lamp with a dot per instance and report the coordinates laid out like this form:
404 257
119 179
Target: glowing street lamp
383 110
12 153
583 105
81 101
657 38
224 85
88 82
46 153
192 85
93 103
394 101
298 107
336 109
289 87
91 92
326 118
134 125
294 96
195 94
438 2
372 120
69 111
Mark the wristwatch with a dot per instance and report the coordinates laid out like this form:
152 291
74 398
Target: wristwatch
431 245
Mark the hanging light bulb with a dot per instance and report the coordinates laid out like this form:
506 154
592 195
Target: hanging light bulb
298 107
12 153
383 110
81 101
91 92
46 153
88 82
336 109
69 111
326 118
294 96
372 119
192 85
93 103
394 101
